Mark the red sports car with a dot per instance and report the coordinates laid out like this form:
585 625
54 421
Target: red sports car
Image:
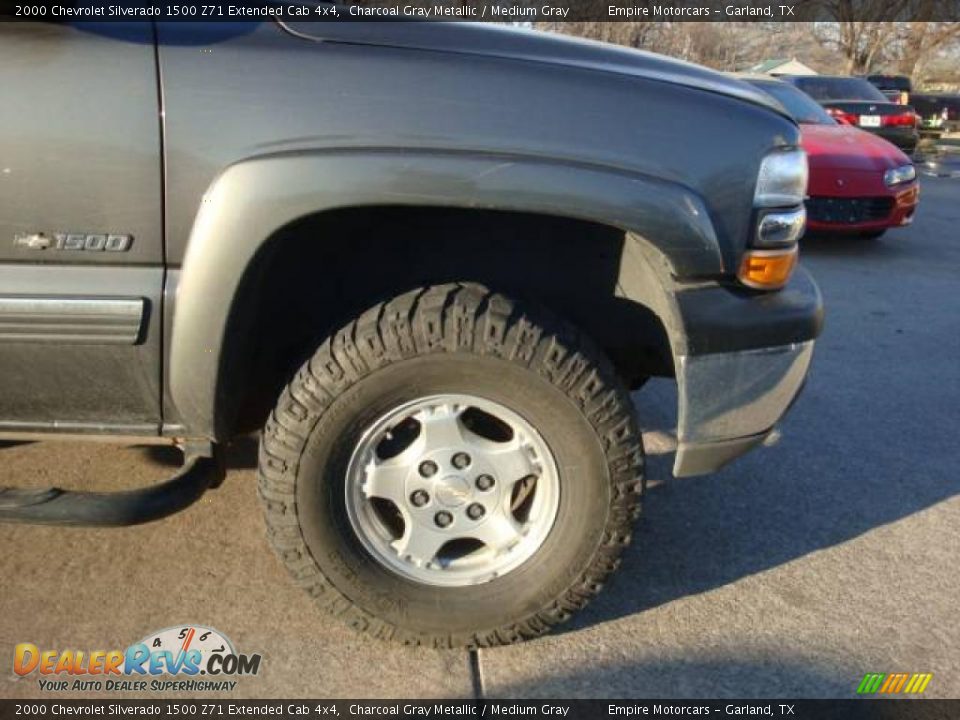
859 183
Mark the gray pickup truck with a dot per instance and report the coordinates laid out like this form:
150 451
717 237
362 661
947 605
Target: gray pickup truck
426 261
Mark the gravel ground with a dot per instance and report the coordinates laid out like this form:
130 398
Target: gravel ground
791 573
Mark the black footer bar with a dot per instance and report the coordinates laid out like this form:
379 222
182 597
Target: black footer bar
872 709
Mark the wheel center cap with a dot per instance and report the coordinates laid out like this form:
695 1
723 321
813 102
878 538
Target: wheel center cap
452 491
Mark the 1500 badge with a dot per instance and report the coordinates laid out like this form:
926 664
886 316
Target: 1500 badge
97 242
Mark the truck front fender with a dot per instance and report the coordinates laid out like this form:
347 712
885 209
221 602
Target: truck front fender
252 200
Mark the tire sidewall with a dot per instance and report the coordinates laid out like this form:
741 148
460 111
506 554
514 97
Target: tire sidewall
567 551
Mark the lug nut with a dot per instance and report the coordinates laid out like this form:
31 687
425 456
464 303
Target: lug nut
460 460
475 511
419 498
428 468
443 518
484 482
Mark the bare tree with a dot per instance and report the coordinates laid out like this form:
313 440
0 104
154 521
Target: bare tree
853 36
862 32
630 34
862 44
722 45
921 41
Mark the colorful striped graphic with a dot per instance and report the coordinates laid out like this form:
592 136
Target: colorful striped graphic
893 683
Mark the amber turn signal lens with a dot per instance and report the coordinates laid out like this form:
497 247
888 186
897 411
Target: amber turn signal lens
767 269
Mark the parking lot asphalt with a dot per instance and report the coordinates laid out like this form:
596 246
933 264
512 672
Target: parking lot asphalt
793 572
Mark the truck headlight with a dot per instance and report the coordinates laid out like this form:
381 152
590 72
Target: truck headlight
781 219
782 180
902 174
780 228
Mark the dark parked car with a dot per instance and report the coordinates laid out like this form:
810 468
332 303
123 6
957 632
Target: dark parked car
855 101
938 113
428 260
896 88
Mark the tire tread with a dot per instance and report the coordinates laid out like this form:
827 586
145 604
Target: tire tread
452 318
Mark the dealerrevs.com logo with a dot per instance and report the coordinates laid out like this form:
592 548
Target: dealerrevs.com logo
182 658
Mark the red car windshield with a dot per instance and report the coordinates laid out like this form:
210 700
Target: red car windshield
800 106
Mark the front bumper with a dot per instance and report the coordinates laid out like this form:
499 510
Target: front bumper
745 365
730 402
898 209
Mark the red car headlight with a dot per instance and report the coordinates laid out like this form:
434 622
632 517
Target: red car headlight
899 175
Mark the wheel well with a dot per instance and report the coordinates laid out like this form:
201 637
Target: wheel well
319 272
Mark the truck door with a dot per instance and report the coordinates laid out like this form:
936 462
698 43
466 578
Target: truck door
81 244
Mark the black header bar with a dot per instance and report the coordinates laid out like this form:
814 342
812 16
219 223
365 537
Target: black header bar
487 10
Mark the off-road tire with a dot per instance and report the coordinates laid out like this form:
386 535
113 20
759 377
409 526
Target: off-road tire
451 338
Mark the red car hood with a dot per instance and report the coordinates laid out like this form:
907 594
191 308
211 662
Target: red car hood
842 147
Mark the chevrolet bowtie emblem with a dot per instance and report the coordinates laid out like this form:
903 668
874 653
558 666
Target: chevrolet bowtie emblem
32 241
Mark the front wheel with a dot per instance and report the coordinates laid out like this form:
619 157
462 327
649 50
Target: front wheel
452 470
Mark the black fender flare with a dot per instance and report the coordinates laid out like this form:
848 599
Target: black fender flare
251 200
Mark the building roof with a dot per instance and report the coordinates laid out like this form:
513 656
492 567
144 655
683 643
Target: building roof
789 65
768 65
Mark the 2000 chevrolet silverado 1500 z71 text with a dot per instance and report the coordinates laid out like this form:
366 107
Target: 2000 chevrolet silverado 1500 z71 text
428 261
